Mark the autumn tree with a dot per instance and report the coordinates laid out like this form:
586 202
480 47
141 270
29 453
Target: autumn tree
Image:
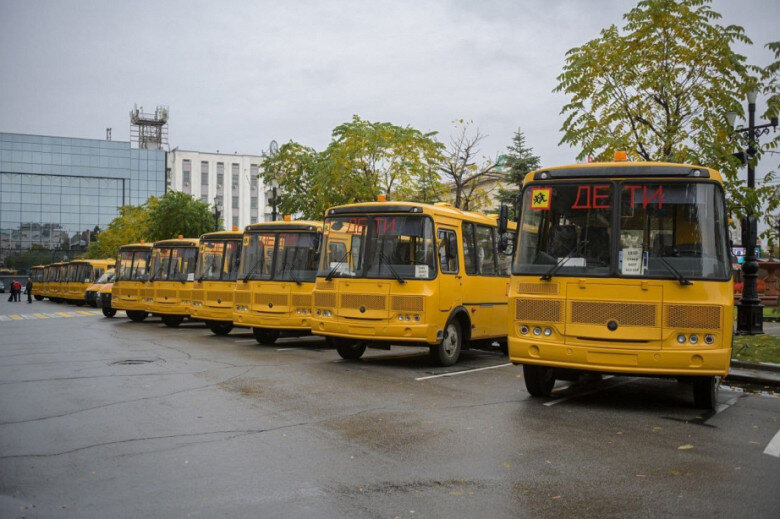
176 213
130 226
472 177
517 162
363 160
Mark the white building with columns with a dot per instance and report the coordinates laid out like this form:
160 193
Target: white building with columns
229 180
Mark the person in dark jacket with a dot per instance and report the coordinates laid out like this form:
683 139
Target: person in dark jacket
29 290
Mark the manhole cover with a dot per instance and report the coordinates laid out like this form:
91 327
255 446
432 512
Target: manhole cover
131 362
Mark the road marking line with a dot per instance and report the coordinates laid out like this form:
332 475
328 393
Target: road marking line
53 316
722 407
455 373
286 349
586 393
64 314
16 317
85 312
41 316
4 318
27 316
773 447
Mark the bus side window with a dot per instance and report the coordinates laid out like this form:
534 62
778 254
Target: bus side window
486 250
469 249
448 251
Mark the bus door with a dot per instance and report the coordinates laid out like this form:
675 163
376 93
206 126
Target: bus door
450 278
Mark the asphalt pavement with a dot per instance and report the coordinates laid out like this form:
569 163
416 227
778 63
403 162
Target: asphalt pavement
110 418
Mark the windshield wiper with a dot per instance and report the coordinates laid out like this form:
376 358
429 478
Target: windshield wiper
549 274
395 274
252 271
288 268
682 279
335 267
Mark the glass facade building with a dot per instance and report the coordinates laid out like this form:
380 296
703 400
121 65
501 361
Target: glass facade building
55 192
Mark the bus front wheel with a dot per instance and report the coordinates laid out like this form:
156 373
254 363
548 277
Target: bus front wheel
137 315
109 312
446 353
220 328
539 380
350 349
172 321
38 298
705 392
265 337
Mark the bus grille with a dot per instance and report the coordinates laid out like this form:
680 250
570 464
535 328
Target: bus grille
538 310
693 316
370 301
197 295
301 300
626 314
276 299
325 285
242 297
407 303
548 289
170 294
225 295
326 299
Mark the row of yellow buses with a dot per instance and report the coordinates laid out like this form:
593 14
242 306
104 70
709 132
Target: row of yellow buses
67 282
615 268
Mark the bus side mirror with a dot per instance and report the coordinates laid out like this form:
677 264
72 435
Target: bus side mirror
503 219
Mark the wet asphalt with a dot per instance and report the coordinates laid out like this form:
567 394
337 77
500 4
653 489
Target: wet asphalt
110 418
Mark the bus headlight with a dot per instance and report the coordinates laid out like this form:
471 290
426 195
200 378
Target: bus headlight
709 339
327 313
318 312
547 332
694 338
524 330
681 338
537 331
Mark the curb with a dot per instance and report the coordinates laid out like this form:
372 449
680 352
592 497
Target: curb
761 366
755 376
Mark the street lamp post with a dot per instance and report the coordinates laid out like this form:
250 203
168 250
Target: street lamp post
217 212
750 311
272 196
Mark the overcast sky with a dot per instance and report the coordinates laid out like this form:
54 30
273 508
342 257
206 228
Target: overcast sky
237 74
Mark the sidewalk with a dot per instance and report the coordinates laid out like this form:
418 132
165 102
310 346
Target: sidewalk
763 373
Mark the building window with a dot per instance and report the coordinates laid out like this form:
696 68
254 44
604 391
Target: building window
253 216
220 175
234 175
235 202
204 176
235 221
204 198
186 175
253 202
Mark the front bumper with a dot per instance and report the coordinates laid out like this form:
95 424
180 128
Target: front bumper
689 361
209 313
256 319
378 331
128 304
156 308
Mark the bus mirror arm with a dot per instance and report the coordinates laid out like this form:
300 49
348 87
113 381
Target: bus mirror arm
503 219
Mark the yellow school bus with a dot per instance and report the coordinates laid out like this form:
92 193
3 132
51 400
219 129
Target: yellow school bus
91 294
56 282
36 274
132 273
219 255
412 274
273 293
622 268
171 275
48 274
81 274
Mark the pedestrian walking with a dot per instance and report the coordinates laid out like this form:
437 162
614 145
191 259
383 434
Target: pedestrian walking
29 290
16 290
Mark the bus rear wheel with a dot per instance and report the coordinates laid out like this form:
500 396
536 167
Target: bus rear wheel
172 321
220 328
109 312
264 336
705 392
350 349
446 353
137 315
38 298
539 380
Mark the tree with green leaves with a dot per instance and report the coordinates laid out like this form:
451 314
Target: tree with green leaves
363 160
176 213
131 226
517 163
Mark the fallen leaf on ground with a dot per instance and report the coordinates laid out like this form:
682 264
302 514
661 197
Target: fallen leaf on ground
685 447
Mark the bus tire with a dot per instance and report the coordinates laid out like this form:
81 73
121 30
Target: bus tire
220 328
539 380
172 321
137 315
350 349
38 298
705 392
109 312
79 303
265 336
446 353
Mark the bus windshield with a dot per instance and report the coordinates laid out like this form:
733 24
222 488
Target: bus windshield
283 256
218 260
668 230
379 246
173 263
132 265
106 277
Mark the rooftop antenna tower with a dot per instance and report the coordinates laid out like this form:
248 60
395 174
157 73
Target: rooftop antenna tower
149 131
